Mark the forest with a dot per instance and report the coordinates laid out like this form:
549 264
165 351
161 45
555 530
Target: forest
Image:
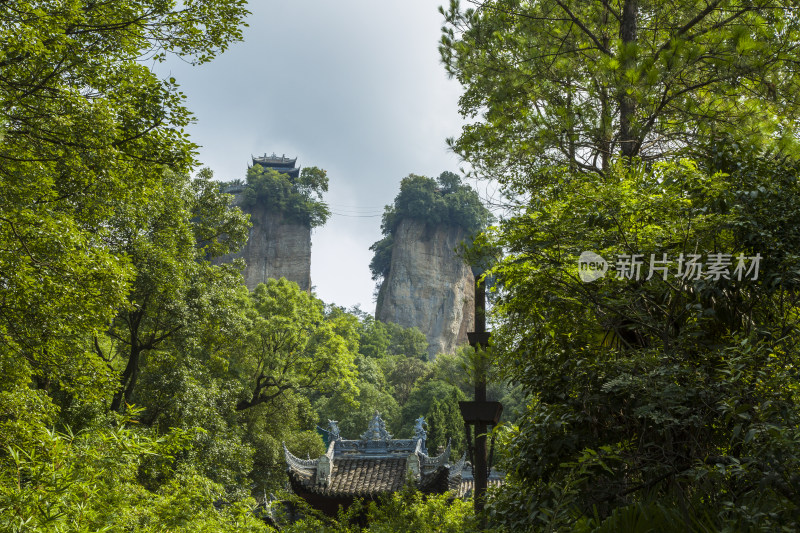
144 388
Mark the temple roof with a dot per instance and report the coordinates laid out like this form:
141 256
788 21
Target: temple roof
464 484
374 464
358 477
281 164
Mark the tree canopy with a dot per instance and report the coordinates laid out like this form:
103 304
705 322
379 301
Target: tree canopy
648 150
88 131
645 381
578 83
293 346
299 199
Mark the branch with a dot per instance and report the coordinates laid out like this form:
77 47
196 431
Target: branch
583 28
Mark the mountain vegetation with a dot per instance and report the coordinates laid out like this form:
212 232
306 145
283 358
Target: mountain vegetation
443 201
298 199
144 388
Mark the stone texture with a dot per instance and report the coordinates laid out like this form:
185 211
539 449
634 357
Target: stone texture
275 248
429 286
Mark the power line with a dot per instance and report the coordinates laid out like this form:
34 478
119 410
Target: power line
356 216
356 211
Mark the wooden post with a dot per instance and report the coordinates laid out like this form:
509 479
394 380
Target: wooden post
479 470
480 413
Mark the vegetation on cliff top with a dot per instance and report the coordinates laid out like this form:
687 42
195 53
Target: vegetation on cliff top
298 199
443 201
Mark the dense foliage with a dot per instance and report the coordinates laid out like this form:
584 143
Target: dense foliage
658 136
298 199
407 510
444 201
679 391
142 387
103 247
574 83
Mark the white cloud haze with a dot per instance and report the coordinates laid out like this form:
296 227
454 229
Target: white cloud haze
354 87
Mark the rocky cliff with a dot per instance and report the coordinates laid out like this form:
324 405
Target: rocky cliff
429 286
275 248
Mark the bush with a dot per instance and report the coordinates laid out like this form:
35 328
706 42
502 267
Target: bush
299 199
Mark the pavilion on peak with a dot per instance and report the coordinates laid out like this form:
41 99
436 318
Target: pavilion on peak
280 164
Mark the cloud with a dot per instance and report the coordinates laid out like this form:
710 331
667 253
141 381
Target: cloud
353 86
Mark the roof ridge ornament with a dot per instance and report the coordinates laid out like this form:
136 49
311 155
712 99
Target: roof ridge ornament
333 430
419 430
376 429
296 462
456 469
432 463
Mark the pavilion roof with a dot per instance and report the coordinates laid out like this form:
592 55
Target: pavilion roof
372 465
281 164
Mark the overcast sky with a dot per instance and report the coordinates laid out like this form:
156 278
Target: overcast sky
352 86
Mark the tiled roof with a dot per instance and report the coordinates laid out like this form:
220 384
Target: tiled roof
465 487
373 465
357 477
464 484
274 160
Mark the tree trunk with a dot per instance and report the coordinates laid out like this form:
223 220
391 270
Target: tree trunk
128 379
606 135
627 104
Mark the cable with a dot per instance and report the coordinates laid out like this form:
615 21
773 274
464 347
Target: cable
356 216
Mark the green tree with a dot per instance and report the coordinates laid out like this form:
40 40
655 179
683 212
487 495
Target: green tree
87 130
407 510
299 199
172 277
87 481
412 511
403 374
679 391
408 342
93 157
568 82
381 261
287 420
648 398
379 339
292 347
373 339
422 397
445 424
353 418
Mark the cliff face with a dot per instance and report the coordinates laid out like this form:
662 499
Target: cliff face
275 248
429 287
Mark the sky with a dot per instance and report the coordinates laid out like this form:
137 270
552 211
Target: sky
355 87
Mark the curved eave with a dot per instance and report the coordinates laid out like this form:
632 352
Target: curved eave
304 466
276 162
456 469
432 463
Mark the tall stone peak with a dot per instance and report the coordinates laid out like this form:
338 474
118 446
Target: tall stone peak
429 286
278 245
276 248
